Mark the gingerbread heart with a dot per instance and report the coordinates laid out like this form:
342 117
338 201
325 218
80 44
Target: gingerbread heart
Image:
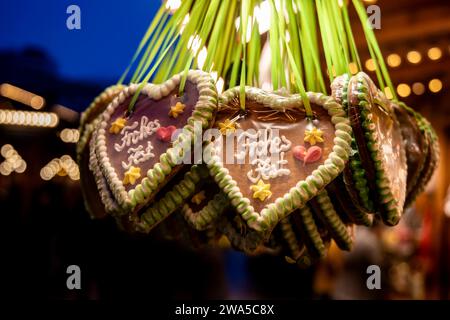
263 179
380 147
135 160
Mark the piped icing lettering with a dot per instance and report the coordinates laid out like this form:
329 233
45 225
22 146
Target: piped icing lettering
266 151
132 136
138 155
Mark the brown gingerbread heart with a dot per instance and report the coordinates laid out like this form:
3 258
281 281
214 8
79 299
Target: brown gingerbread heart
263 191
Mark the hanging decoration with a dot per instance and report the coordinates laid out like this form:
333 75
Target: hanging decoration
316 146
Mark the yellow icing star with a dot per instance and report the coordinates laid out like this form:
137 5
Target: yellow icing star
227 126
261 190
198 198
176 109
131 175
313 136
117 125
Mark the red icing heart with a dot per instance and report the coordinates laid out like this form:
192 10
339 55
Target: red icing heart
309 155
165 133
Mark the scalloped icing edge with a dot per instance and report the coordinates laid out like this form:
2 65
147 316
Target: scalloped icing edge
358 172
109 203
304 190
203 111
331 220
86 130
87 127
202 219
298 255
171 201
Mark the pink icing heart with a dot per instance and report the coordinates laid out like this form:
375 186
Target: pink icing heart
309 155
165 133
313 154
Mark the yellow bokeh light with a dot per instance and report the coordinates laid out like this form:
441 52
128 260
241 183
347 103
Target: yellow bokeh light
403 90
414 56
5 149
394 60
434 53
370 65
353 68
37 102
435 85
28 118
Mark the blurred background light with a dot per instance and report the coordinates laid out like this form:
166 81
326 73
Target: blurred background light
435 85
28 118
394 60
403 90
370 65
418 88
414 56
23 96
434 53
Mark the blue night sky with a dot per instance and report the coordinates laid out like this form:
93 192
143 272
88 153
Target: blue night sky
100 51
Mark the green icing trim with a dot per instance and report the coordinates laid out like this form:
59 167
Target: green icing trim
358 172
207 215
360 181
333 222
171 201
267 219
299 255
290 238
310 229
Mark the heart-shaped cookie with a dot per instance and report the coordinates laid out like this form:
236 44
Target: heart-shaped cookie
260 173
134 159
